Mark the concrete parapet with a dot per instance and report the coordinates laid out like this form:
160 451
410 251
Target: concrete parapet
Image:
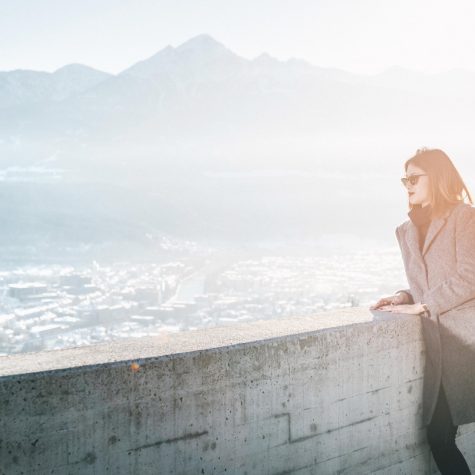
339 392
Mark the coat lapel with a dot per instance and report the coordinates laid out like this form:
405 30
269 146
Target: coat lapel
435 227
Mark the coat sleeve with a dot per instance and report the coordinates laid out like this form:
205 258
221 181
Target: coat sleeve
408 292
460 287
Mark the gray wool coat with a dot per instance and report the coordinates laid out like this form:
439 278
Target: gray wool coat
443 277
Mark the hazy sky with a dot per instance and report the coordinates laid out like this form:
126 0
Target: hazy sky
356 35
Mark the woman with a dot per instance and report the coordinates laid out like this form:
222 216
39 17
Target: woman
438 250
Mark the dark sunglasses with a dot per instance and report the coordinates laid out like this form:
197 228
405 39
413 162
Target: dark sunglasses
412 179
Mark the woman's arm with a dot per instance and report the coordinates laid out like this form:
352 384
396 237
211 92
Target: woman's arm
460 287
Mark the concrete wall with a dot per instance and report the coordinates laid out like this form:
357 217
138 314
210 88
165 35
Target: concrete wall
340 392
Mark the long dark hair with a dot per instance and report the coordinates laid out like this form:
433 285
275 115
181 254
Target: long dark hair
446 187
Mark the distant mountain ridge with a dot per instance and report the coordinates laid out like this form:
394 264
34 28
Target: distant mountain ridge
199 51
201 89
21 87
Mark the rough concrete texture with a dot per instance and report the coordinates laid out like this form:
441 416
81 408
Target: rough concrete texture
339 392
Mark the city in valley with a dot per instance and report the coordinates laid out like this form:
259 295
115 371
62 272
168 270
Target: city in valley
57 306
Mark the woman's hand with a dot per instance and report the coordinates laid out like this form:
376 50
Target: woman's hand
411 309
398 299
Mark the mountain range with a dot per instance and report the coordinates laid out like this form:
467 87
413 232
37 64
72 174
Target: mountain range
171 143
202 89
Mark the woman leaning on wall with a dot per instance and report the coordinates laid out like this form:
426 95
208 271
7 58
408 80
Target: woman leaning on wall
438 250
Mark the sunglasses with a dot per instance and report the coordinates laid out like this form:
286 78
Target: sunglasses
412 179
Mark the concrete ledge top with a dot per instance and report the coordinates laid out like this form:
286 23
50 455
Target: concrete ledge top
128 350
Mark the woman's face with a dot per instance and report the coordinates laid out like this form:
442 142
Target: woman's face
419 192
